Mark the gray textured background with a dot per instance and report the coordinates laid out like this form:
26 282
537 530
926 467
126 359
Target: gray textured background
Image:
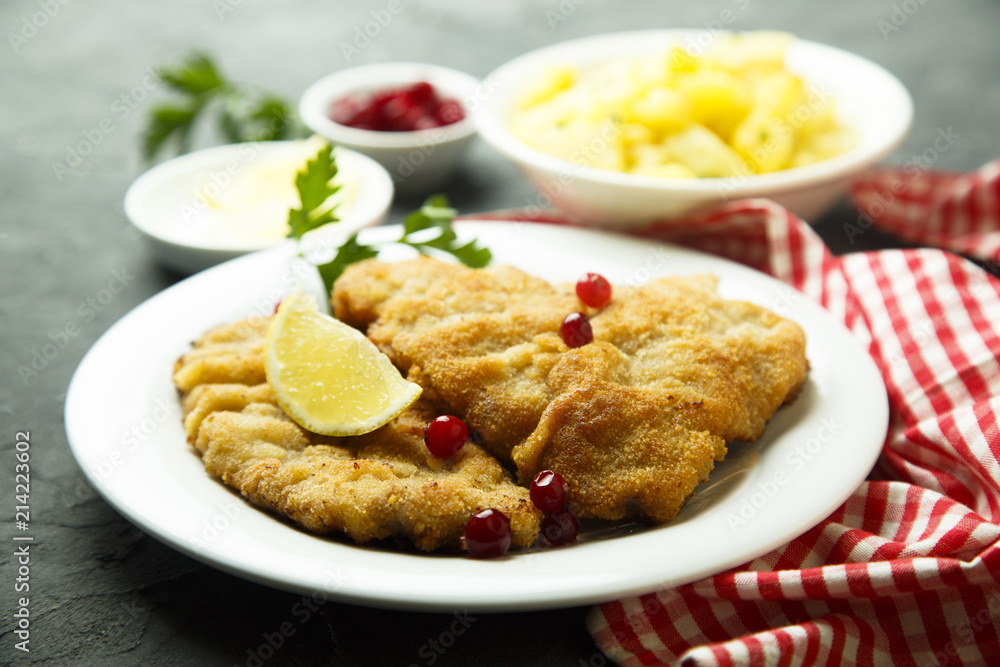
103 592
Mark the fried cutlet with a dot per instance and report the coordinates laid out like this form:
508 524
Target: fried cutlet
382 484
633 421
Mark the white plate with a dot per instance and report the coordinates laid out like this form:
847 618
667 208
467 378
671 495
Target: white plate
124 426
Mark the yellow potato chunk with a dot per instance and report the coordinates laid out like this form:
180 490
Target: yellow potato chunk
732 109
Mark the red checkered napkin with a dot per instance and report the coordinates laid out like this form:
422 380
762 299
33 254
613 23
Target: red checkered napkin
957 211
907 571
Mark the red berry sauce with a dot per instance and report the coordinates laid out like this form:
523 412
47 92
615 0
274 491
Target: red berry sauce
414 107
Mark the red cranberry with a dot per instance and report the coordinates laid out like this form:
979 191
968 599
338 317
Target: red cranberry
445 435
413 107
594 290
422 92
575 330
560 527
548 491
487 534
449 111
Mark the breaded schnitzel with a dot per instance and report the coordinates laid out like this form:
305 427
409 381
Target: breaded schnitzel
633 421
378 485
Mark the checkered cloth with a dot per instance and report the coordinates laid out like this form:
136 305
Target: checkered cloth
907 570
957 211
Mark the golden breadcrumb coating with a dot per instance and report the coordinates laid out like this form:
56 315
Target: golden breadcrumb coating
633 421
382 484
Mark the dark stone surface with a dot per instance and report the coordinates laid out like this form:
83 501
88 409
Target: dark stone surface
104 593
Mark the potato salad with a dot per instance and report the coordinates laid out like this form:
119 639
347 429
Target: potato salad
733 109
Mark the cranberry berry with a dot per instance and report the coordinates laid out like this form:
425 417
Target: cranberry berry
487 534
594 290
404 109
548 491
560 527
575 330
445 436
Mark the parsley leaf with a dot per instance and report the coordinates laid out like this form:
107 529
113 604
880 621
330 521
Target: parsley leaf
197 75
169 121
267 119
437 213
351 251
315 188
245 114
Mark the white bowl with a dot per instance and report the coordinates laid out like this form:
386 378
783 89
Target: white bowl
870 100
417 161
206 207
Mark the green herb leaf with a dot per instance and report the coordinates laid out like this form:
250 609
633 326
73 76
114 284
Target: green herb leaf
315 188
351 251
437 213
268 119
244 114
166 122
196 75
273 119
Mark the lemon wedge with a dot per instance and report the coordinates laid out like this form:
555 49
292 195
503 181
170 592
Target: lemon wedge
327 376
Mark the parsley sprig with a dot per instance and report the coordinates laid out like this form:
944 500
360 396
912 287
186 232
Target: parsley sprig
435 215
315 187
244 113
428 229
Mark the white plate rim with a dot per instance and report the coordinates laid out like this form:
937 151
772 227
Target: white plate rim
843 417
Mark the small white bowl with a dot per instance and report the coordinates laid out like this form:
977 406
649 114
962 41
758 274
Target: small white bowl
870 100
209 206
416 161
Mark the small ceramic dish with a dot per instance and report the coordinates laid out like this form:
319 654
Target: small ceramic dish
206 207
417 161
